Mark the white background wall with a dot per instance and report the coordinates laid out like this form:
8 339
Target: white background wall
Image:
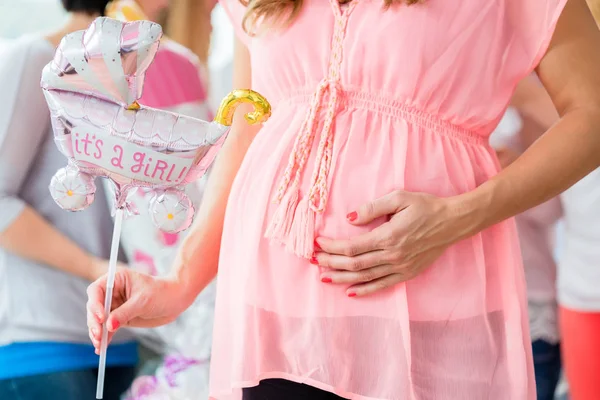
26 16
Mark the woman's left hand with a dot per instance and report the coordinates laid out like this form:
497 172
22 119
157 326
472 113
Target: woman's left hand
420 228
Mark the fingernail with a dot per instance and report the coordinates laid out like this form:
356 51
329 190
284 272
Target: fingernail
352 216
314 261
115 325
99 315
316 246
351 294
94 332
326 279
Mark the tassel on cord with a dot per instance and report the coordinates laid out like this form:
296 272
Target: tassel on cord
301 238
281 222
288 194
294 221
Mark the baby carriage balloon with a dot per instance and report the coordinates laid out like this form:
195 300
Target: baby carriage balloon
92 88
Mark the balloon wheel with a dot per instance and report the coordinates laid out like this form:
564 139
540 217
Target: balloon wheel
72 189
171 211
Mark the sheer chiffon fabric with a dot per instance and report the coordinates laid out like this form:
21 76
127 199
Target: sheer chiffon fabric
420 88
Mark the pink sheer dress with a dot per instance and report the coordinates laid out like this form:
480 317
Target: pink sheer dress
367 101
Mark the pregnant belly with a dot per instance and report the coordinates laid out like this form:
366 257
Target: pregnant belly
371 157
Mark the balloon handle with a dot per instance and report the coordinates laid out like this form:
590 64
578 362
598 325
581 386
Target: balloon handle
112 270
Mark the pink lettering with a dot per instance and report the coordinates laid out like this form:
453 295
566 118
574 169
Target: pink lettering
77 144
98 152
138 157
160 166
147 166
118 160
181 174
170 172
86 141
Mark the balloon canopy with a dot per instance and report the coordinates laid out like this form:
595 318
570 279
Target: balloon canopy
92 88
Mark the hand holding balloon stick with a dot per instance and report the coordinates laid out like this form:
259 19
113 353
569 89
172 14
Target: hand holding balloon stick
92 88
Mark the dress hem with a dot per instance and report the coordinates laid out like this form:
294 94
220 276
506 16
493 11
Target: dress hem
292 378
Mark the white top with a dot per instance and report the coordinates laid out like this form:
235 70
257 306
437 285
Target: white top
220 60
39 303
536 234
579 264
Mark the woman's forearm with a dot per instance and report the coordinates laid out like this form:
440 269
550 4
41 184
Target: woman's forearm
534 103
197 260
30 236
561 157
566 152
196 263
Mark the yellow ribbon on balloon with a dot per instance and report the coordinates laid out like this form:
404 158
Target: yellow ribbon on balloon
262 108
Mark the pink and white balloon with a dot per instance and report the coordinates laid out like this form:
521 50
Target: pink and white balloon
92 88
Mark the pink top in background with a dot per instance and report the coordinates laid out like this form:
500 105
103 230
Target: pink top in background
537 232
175 79
399 99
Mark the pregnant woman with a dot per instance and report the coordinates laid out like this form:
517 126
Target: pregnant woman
361 236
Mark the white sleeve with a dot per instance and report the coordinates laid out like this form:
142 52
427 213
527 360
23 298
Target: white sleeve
24 122
505 134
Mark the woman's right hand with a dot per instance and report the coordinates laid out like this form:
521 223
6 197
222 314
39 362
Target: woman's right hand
138 300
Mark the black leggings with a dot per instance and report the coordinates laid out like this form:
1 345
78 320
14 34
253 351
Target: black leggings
280 389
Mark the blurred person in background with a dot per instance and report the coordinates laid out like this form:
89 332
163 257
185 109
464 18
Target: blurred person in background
579 282
188 22
530 115
48 256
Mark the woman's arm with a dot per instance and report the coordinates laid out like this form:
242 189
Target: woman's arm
143 301
538 114
196 264
566 152
535 108
30 236
22 230
423 226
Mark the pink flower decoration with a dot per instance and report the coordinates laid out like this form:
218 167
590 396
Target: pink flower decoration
144 263
142 387
168 239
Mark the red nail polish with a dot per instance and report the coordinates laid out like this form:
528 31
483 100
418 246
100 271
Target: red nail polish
326 279
351 294
314 261
352 216
115 325
316 246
